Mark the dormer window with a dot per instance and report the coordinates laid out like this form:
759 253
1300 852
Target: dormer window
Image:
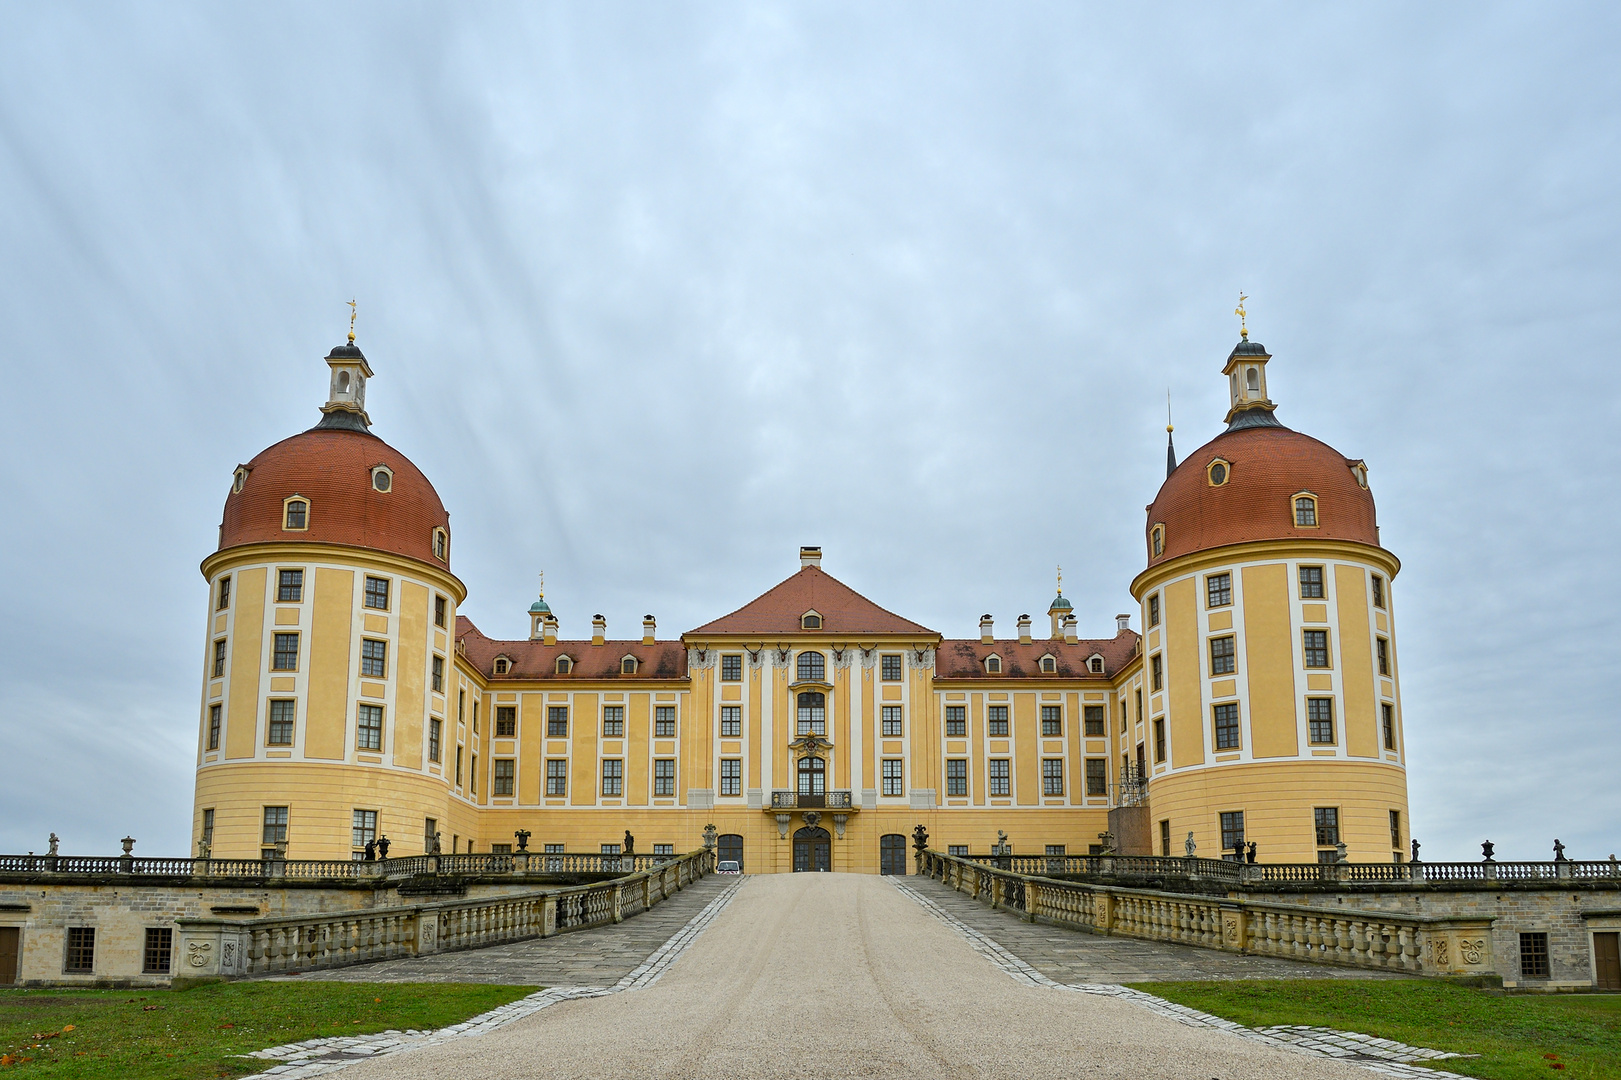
239 478
810 621
1218 472
502 665
296 514
1049 665
1156 541
564 665
382 478
993 665
1359 469
441 544
627 665
1305 511
1095 665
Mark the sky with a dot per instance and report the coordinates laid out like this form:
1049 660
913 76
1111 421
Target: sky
656 293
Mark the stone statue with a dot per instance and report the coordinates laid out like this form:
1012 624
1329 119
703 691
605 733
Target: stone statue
709 837
1249 856
434 848
1189 846
522 836
920 838
371 851
202 849
630 843
1415 851
54 842
1340 852
1558 851
1486 852
382 847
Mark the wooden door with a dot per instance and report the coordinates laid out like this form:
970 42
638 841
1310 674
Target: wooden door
813 851
1606 953
892 854
8 954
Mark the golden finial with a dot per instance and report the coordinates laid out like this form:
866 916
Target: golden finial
543 584
352 311
1243 330
1060 580
1168 426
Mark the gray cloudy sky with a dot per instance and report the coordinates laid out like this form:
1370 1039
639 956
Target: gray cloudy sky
656 293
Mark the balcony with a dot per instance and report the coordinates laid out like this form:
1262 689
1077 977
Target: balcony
800 800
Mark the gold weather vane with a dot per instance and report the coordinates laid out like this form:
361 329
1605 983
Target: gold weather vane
1168 426
352 312
1060 580
1243 329
543 584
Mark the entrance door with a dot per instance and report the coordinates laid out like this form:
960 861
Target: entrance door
813 850
8 954
730 846
1606 950
892 854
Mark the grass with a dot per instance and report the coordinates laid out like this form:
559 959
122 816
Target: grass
1518 1037
198 1033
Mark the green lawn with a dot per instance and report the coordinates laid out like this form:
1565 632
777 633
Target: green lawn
190 1034
1517 1036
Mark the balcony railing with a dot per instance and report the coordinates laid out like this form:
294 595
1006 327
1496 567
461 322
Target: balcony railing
482 865
804 800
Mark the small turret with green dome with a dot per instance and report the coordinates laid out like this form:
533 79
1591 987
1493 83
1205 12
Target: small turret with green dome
1060 607
540 613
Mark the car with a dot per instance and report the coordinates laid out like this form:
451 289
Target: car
728 866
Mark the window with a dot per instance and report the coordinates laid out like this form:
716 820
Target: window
613 777
993 665
377 593
208 826
892 722
1095 665
502 665
959 850
1156 668
996 720
472 787
289 586
1232 829
1315 647
503 780
370 733
219 659
461 704
373 659
664 722
1222 659
1218 590
1320 720
956 721
731 668
627 665
1306 512
1056 850
812 714
1138 694
664 849
285 655
664 776
1052 720
1159 739
731 776
556 776
812 776
81 955
1218 473
239 479
506 721
214 727
610 849
998 775
1094 721
1049 665
893 777
458 770
224 600
1165 838
1157 541
956 776
1327 820
564 665
1378 591
613 721
889 667
439 612
1125 715
1395 829
381 479
1226 726
810 621
812 667
557 721
1311 583
280 730
1533 955
1097 776
362 830
435 733
438 675
1382 650
731 721
1052 776
430 829
1387 713
275 826
1153 610
297 515
441 544
475 716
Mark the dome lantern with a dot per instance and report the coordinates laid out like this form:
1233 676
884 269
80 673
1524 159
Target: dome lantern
346 401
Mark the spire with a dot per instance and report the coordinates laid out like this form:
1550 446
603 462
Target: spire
1170 443
346 402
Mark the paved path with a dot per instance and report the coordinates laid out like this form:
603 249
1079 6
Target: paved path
845 975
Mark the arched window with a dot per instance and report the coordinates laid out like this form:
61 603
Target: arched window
1305 512
812 714
564 665
812 667
812 776
297 515
502 665
627 666
1096 664
993 665
810 621
1254 379
1157 541
239 478
1049 665
343 382
441 544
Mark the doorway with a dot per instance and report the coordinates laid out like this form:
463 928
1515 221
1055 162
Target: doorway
813 850
1606 957
892 854
8 954
730 846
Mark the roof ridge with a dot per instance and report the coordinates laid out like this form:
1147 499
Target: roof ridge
786 590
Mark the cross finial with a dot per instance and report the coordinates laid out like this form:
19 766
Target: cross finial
1243 329
352 312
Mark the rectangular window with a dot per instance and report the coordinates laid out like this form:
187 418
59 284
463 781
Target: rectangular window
889 667
362 830
555 849
1382 649
1165 838
1218 590
472 784
1533 955
373 659
1097 776
892 722
506 721
893 780
959 850
377 593
664 721
495 849
556 777
956 776
284 657
1315 647
208 826
999 776
1311 583
1320 720
1052 720
297 515
224 595
1052 776
1232 829
731 721
613 721
475 716
440 607
1387 714
504 780
613 777
81 954
1094 721
996 716
461 704
1226 726
1125 715
731 668
279 732
1156 668
1153 610
1395 830
664 776
1378 591
1327 820
438 674
430 829
275 826
609 849
214 727
731 776
1306 512
1139 695
956 721
219 659
159 950
435 733
1223 660
1159 739
557 721
370 731
458 768
289 586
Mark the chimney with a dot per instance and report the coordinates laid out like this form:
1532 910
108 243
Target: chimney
1071 634
599 629
1122 623
549 635
1024 629
810 556
648 626
985 635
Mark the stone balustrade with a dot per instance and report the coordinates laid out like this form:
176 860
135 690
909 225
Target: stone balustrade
482 865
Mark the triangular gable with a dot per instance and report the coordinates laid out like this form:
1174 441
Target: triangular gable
843 610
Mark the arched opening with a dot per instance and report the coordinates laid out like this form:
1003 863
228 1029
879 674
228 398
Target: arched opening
730 848
343 382
812 667
812 782
892 854
812 713
813 850
1254 379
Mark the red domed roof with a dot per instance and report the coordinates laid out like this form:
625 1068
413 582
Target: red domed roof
332 468
1268 466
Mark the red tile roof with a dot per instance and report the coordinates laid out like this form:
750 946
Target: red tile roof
843 610
537 660
964 658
